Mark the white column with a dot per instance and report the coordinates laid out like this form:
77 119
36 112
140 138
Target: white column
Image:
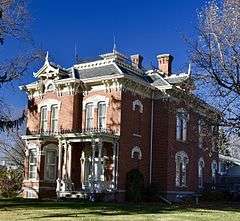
93 160
60 160
99 169
69 160
64 173
114 164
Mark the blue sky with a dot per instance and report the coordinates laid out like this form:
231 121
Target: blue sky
149 27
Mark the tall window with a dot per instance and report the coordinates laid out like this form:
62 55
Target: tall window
200 172
214 171
54 118
101 115
200 133
43 119
181 160
50 164
181 126
89 115
32 164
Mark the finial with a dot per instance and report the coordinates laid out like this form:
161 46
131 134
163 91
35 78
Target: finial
189 68
114 44
46 58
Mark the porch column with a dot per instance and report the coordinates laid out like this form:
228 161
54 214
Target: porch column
93 160
99 169
114 164
64 173
69 167
60 160
59 166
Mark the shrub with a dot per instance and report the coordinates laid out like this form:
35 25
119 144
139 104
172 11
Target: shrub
10 183
135 186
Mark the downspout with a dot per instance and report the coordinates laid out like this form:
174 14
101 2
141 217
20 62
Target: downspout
151 142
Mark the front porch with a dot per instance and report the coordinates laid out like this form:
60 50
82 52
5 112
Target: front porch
88 163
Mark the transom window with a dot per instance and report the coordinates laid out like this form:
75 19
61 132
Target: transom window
50 164
54 118
181 126
101 115
89 115
43 119
32 164
181 160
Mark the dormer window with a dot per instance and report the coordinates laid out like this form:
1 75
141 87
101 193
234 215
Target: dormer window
181 125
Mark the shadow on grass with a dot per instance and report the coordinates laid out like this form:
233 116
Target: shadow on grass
87 209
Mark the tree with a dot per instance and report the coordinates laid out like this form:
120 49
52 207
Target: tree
14 19
216 56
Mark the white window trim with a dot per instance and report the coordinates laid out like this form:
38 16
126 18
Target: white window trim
56 119
137 103
49 103
95 100
136 150
98 116
50 147
92 116
30 148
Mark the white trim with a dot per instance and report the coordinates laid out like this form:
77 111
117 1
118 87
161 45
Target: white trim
49 102
136 150
95 99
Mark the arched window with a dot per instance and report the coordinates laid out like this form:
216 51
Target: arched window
50 163
136 153
54 118
181 160
200 172
214 171
200 133
181 125
137 105
102 114
43 119
89 116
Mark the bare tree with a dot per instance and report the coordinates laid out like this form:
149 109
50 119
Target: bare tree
13 149
14 20
216 55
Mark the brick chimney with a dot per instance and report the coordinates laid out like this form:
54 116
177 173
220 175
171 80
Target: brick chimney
165 63
137 60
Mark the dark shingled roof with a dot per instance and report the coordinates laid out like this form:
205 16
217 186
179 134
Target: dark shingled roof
98 71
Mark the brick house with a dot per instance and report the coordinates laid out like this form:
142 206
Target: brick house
89 125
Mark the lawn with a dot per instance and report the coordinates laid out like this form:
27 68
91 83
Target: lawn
34 210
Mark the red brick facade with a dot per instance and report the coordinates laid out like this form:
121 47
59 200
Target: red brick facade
152 128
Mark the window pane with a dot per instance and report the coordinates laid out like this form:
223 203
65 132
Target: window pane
50 167
89 115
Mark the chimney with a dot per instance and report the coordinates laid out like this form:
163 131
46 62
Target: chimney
137 60
165 64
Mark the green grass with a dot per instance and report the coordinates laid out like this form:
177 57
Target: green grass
34 210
